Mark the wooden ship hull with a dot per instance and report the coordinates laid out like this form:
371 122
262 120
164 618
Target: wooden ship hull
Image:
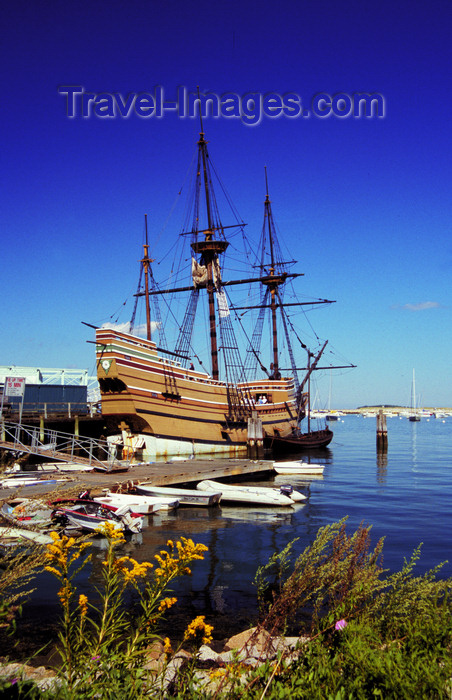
161 408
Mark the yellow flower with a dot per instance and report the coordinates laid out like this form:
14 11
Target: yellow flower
217 673
166 604
64 594
83 604
59 553
170 565
198 630
119 563
167 649
140 570
137 570
111 532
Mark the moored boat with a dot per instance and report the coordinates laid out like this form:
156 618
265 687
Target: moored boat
290 444
297 467
414 415
251 494
140 504
15 482
14 536
186 497
86 514
26 512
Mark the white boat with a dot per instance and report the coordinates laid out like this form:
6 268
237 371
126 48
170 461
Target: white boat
10 536
47 468
286 490
26 513
249 494
87 514
15 483
186 497
298 467
143 505
414 416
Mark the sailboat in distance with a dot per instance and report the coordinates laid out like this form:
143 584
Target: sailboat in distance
160 401
414 416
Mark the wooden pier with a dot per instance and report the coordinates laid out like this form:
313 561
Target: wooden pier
158 474
108 471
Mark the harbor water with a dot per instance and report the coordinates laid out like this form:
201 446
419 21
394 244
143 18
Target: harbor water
405 494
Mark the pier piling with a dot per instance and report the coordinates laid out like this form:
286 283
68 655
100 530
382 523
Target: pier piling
255 437
382 432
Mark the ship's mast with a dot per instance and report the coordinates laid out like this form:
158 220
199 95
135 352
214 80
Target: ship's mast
309 392
209 249
146 262
273 280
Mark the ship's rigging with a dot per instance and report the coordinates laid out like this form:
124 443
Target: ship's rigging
243 389
208 245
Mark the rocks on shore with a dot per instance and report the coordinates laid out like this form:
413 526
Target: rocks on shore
248 650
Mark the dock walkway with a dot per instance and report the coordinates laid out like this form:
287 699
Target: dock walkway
158 474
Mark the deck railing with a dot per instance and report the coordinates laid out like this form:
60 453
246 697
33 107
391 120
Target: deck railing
59 445
66 409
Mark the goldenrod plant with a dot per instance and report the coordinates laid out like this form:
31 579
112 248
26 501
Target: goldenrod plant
103 649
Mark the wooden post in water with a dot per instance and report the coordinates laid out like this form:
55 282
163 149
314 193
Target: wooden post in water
255 437
382 432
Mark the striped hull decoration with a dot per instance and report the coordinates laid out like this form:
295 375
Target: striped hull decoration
185 410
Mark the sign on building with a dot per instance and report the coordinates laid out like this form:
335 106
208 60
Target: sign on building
14 386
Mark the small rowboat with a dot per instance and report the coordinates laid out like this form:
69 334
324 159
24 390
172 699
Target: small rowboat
15 482
26 512
13 536
185 497
251 494
298 467
144 505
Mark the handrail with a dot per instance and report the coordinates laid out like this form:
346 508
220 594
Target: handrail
59 445
69 409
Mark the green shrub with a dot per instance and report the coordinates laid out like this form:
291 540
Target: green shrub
362 633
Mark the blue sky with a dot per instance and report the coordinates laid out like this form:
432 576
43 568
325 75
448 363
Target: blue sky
362 204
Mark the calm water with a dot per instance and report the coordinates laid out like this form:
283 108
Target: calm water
406 496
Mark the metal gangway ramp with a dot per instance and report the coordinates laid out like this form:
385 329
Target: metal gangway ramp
61 446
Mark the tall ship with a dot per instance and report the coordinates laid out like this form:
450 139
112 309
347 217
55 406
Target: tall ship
162 399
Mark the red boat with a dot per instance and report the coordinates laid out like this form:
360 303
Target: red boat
86 514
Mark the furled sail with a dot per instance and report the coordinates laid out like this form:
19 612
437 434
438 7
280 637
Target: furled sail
199 273
222 302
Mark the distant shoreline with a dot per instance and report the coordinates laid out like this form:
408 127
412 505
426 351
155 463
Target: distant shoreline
388 409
